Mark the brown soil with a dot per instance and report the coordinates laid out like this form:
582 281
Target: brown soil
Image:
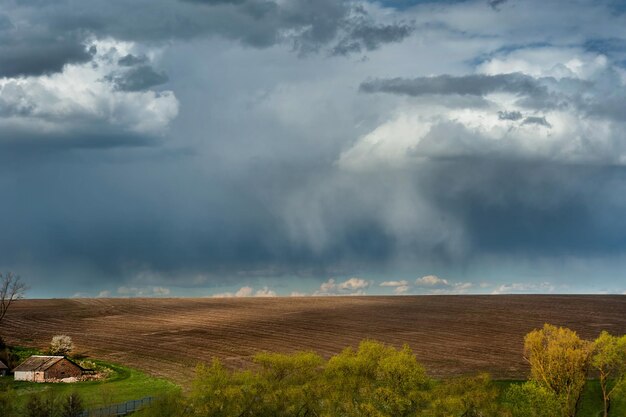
449 334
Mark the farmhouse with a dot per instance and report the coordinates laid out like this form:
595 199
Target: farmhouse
4 370
47 368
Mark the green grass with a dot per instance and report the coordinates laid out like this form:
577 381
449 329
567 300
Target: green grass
122 385
591 402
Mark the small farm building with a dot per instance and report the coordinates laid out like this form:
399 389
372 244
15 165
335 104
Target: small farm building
47 368
4 370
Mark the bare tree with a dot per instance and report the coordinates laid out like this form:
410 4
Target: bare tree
11 289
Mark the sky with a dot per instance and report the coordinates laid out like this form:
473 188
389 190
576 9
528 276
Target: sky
235 148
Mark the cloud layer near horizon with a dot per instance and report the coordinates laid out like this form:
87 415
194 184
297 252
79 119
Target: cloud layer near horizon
205 147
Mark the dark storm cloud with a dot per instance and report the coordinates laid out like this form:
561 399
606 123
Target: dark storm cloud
139 78
130 60
216 2
16 144
366 35
603 96
39 55
476 85
494 4
531 208
248 182
510 115
52 34
534 120
119 219
5 23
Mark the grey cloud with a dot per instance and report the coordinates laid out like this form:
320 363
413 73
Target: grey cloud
535 120
18 143
138 78
529 208
40 55
510 115
5 23
602 96
213 201
66 24
476 85
494 4
216 2
115 220
370 36
132 60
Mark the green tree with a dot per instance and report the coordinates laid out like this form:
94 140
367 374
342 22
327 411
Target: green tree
532 400
375 380
41 405
290 385
467 396
72 405
173 404
558 361
218 392
609 360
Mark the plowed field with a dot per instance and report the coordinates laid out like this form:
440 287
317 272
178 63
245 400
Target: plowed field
449 334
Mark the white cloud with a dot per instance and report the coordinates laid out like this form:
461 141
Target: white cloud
297 294
387 144
104 294
454 288
354 284
550 61
431 281
435 285
247 291
141 292
160 291
265 292
524 287
399 287
394 283
126 290
564 117
328 286
64 103
402 289
244 292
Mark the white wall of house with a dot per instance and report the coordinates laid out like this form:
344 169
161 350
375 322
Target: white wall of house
24 376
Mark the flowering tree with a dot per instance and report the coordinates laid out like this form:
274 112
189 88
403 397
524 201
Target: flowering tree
61 345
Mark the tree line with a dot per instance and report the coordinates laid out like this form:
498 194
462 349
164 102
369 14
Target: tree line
377 380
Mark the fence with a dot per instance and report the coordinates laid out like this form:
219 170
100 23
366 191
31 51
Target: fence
121 409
